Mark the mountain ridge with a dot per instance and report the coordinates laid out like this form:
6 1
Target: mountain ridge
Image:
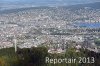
79 6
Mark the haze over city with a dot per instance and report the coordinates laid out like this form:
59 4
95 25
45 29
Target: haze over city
47 2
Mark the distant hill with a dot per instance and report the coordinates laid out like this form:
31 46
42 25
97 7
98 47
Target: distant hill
95 5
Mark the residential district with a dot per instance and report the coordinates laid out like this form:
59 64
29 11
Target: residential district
57 28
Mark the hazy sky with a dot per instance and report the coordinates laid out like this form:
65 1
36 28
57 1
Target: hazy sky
48 2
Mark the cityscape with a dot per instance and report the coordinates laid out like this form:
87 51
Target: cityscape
57 28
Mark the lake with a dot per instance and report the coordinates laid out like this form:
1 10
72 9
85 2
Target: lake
88 25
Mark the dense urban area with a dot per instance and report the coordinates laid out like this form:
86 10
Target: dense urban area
58 29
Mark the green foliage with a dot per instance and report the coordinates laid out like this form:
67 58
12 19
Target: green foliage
23 57
97 42
36 57
33 56
8 57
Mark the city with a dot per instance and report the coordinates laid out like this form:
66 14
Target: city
56 28
37 26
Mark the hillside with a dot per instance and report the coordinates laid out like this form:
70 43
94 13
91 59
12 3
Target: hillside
73 7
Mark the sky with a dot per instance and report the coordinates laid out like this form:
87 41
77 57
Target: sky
48 2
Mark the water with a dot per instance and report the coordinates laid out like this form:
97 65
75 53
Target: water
88 25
